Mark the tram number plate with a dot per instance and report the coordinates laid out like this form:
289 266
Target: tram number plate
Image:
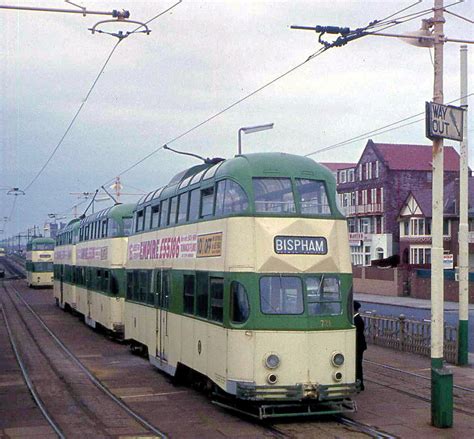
300 245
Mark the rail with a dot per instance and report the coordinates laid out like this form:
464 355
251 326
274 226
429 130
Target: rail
408 335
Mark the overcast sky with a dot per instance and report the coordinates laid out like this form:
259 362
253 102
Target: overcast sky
199 58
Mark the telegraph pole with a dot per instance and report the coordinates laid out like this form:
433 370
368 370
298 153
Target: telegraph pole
463 260
441 378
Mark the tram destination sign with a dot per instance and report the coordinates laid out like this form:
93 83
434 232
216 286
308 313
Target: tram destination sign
300 245
444 122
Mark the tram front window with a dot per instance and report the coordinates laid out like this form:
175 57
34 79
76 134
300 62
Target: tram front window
312 196
281 295
273 195
323 295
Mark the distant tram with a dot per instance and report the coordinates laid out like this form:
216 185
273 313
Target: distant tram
39 262
237 275
2 252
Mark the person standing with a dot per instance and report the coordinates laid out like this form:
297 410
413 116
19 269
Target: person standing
361 344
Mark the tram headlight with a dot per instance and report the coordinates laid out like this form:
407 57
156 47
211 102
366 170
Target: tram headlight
272 361
337 359
337 376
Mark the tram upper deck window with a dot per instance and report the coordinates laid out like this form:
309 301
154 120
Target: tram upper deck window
127 226
44 246
173 210
147 220
183 207
281 295
323 295
194 205
230 198
164 213
312 197
155 216
114 228
207 201
139 220
273 195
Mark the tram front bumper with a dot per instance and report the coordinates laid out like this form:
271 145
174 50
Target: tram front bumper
298 392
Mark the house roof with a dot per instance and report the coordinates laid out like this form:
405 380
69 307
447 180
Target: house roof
450 196
414 157
334 166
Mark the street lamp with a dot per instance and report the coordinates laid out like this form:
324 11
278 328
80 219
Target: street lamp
255 129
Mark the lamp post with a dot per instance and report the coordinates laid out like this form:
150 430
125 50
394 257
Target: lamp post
254 129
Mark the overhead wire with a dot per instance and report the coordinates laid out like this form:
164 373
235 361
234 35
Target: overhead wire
55 150
362 32
88 95
460 16
379 131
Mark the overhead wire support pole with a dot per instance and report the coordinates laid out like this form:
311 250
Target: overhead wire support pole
83 11
463 237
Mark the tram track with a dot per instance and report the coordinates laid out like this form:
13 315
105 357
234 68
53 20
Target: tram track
462 396
47 360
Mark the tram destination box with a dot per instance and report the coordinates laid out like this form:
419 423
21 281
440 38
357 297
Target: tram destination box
300 245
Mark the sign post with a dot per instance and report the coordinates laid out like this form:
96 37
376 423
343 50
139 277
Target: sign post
444 121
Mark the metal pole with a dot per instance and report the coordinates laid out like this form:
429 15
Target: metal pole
463 260
441 390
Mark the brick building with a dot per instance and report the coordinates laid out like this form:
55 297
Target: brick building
374 191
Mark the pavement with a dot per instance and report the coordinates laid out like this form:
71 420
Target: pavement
409 302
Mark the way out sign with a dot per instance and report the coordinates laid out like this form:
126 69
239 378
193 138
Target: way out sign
444 122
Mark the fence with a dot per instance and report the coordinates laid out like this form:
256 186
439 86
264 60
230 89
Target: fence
408 335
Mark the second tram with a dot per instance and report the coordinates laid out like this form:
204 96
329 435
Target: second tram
39 262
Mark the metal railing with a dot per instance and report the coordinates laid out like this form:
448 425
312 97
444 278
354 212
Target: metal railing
408 335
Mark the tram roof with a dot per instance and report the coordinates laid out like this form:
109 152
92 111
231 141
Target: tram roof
42 241
116 212
243 168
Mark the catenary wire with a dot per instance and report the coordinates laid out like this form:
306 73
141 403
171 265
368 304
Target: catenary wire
322 50
381 130
460 16
87 97
73 119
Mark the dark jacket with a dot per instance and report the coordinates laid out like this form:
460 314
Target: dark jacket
361 344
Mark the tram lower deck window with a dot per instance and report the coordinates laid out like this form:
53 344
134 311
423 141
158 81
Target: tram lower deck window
281 295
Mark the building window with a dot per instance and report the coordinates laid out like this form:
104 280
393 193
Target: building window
376 169
350 175
420 255
342 176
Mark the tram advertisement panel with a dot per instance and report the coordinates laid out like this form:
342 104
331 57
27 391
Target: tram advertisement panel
186 246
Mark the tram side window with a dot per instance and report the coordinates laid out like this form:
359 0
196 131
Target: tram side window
323 295
164 213
98 280
130 285
216 289
207 202
143 285
155 216
147 221
230 198
106 281
202 281
273 195
104 229
139 221
114 284
127 226
194 205
188 293
312 197
183 207
114 228
173 210
281 295
239 303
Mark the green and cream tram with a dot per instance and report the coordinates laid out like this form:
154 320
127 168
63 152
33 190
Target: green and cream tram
39 262
239 273
100 254
65 266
